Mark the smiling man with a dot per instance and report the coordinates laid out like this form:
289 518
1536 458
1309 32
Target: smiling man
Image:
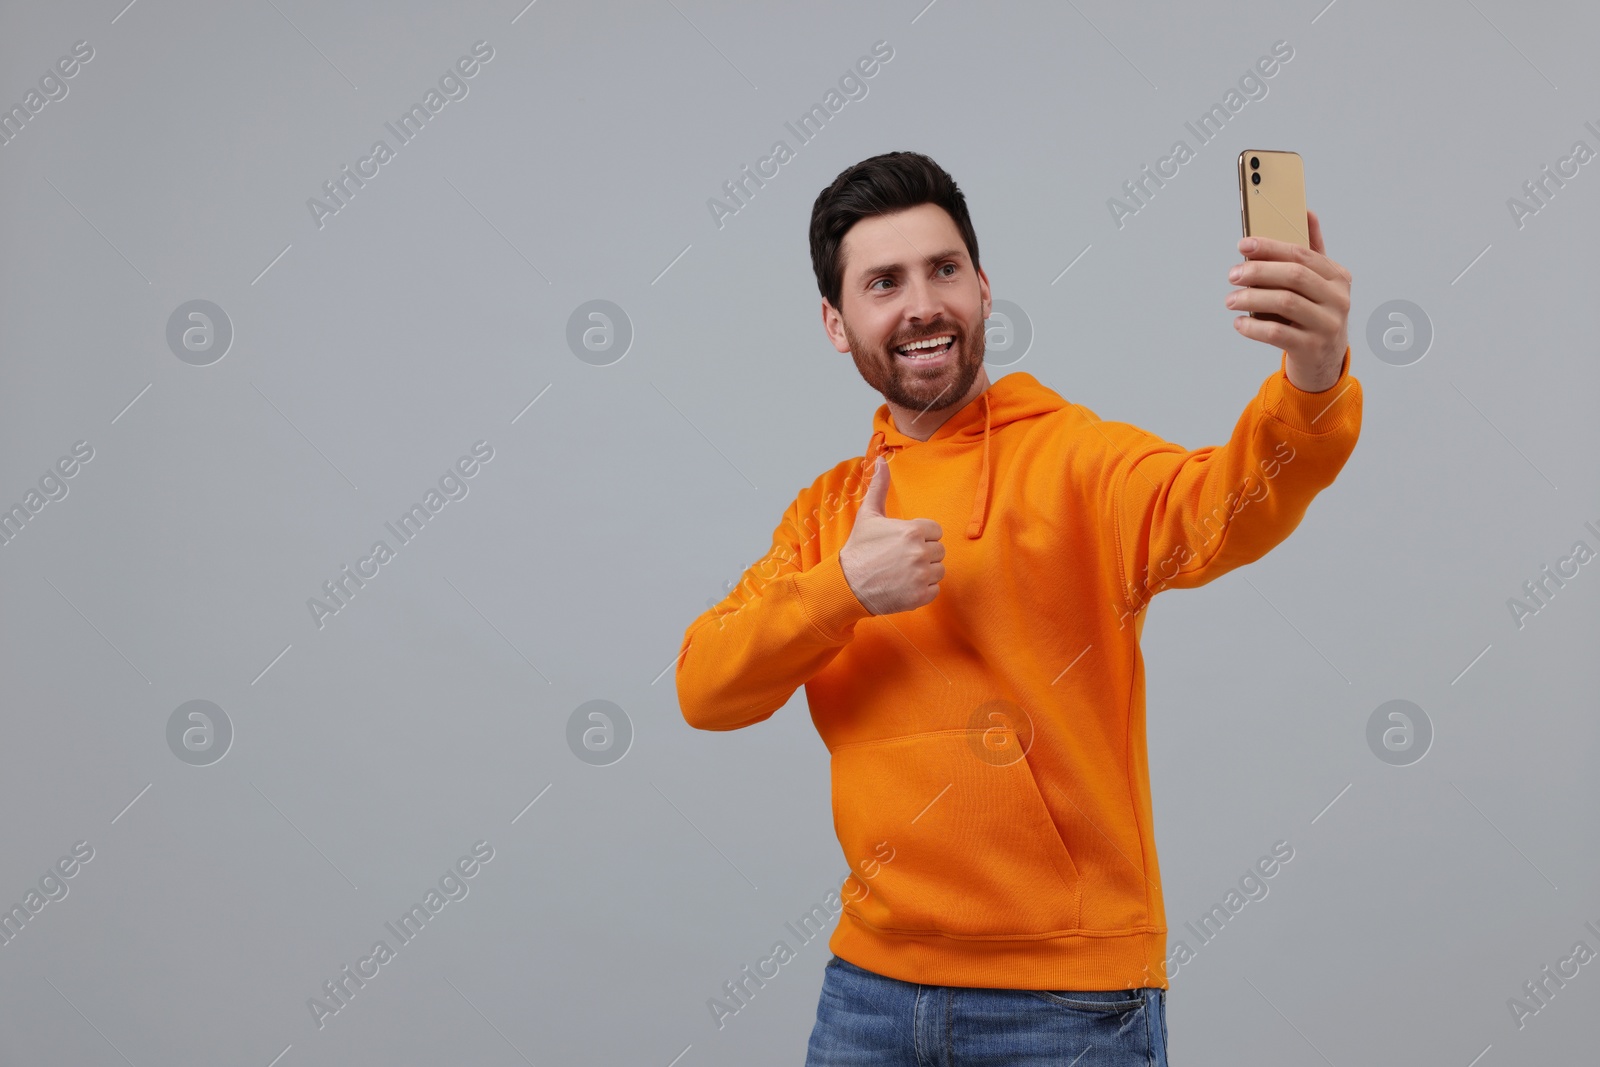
967 632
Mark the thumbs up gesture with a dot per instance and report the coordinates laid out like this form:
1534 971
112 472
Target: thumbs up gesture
891 564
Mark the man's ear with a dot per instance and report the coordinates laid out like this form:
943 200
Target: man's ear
833 324
983 289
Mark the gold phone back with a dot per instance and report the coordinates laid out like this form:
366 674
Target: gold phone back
1276 207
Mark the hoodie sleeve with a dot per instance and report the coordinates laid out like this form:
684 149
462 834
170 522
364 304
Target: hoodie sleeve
1182 518
742 659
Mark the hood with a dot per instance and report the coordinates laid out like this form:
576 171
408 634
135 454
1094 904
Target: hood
1016 396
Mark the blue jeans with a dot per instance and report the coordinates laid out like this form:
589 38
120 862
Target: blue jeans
867 1018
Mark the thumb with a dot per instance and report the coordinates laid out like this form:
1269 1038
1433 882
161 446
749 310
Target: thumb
877 488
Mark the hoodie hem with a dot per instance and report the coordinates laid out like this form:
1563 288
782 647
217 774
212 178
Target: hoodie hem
1121 959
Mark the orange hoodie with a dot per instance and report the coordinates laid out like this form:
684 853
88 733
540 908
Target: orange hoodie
991 790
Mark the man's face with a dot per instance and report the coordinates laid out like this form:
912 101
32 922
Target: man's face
907 277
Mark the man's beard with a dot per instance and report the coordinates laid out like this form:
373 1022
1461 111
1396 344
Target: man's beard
930 389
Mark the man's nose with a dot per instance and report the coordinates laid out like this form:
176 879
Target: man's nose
922 302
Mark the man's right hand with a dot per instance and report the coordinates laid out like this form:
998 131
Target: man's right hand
891 564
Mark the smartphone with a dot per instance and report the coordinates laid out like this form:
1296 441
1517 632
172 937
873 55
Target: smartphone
1272 201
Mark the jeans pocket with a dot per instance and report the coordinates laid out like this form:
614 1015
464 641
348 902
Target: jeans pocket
1104 1001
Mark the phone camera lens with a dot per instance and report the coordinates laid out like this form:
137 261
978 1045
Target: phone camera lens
1255 179
1255 162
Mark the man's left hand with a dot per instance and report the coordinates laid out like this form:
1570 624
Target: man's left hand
1307 288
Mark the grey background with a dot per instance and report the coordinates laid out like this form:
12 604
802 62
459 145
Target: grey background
428 314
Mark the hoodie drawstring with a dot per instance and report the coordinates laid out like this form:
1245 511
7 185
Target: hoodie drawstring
876 447
980 500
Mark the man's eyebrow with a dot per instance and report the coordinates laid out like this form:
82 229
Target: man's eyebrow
894 268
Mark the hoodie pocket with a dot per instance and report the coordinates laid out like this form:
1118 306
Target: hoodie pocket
971 848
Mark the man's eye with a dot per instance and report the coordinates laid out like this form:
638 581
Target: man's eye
874 285
952 266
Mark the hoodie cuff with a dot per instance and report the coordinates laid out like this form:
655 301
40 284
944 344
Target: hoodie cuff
1304 411
828 601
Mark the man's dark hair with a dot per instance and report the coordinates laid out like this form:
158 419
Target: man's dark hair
881 185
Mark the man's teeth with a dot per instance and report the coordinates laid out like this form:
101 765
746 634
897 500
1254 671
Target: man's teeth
930 343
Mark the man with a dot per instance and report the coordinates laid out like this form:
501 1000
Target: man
968 635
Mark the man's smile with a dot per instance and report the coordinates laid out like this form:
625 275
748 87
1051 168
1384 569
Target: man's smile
930 350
